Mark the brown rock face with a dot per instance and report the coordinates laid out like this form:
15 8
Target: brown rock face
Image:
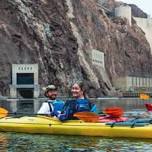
60 34
126 49
38 32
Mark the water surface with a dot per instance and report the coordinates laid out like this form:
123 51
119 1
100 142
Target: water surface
16 142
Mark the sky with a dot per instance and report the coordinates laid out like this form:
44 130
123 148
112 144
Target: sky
145 5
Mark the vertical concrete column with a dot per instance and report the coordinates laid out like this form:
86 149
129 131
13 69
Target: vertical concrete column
36 103
36 91
36 86
150 82
13 104
14 74
13 91
128 82
36 74
137 82
124 11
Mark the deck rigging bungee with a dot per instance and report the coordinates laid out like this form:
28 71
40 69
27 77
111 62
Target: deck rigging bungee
137 122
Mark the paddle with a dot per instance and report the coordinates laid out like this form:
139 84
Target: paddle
87 116
3 112
113 112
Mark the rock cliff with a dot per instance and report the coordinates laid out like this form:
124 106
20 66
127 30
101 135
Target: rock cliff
60 34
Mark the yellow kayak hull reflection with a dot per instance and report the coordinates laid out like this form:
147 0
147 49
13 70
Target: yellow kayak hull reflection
48 125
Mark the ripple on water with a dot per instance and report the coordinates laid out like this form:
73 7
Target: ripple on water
11 142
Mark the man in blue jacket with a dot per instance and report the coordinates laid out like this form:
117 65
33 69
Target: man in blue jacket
52 106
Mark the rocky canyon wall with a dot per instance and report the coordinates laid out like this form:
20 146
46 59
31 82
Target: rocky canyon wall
60 34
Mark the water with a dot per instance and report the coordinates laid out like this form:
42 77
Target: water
17 142
12 142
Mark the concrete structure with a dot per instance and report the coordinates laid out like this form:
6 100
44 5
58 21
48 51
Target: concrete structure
137 84
24 81
146 25
124 11
97 58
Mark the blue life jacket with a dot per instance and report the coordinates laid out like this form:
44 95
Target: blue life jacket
73 106
57 106
82 105
85 105
94 108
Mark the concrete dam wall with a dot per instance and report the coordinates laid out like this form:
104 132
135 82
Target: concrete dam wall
146 25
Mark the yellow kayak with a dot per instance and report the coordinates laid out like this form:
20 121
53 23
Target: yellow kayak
48 125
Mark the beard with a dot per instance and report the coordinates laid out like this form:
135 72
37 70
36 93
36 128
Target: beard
53 97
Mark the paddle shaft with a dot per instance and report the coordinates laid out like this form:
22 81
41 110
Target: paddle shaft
24 113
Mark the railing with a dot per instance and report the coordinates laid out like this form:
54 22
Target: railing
33 105
135 94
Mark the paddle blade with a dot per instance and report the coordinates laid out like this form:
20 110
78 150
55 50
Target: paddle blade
148 106
87 116
3 112
114 112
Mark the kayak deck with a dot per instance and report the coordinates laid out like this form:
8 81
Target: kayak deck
48 125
